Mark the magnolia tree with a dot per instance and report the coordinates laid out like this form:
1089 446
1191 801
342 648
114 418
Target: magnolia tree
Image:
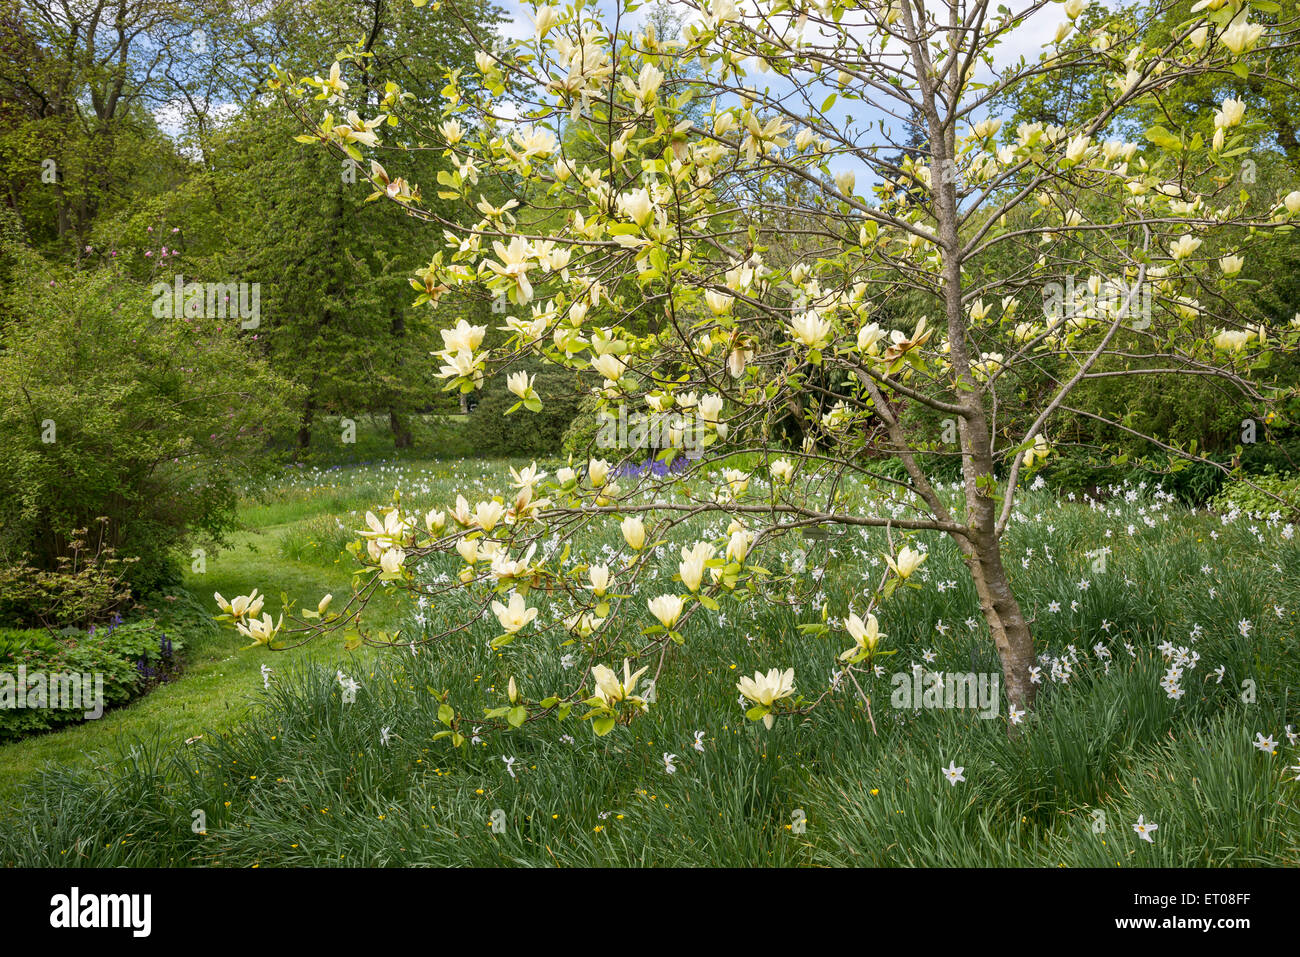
831 299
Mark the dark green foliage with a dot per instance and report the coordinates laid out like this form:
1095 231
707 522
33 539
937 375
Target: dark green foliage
130 657
108 412
524 433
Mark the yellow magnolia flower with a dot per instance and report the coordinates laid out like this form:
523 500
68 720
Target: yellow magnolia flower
1232 340
610 690
909 560
514 615
767 689
739 544
633 532
1184 246
866 635
811 329
391 561
487 514
1242 36
667 608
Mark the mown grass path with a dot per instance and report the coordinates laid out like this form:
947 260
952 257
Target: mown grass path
216 687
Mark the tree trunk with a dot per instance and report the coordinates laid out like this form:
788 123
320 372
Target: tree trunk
304 427
1006 621
401 427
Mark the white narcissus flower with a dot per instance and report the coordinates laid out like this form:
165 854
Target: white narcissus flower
867 634
909 560
782 470
766 689
1144 829
633 532
667 608
514 615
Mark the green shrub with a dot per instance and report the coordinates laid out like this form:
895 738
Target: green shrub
108 411
88 586
523 433
131 657
1238 495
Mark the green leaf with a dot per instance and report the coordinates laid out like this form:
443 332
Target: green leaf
1162 138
